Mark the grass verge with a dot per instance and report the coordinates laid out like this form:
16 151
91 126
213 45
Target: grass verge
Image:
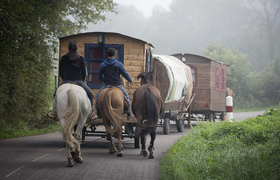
227 150
15 132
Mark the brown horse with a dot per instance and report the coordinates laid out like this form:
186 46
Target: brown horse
147 105
110 105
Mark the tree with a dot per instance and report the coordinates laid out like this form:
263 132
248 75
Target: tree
28 32
266 13
271 81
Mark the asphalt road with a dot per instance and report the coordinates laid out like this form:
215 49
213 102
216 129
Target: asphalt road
243 115
44 157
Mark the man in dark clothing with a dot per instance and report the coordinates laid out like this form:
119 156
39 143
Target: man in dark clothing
109 73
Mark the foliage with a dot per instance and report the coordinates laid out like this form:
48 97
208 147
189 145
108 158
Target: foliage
29 31
271 80
227 150
14 132
239 77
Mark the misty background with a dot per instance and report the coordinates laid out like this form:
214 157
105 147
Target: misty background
189 26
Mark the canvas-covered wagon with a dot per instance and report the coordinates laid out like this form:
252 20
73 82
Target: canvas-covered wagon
174 80
135 54
209 86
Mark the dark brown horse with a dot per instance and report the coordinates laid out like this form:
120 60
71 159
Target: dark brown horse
110 105
147 105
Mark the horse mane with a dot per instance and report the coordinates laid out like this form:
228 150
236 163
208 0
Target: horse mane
146 78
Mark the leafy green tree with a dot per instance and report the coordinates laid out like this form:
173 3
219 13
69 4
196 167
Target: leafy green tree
28 32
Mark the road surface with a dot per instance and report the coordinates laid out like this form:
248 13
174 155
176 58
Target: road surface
44 157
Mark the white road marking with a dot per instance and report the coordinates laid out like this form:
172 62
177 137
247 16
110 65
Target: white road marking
15 170
24 165
40 157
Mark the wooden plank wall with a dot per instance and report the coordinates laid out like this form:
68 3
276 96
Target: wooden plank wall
218 97
134 53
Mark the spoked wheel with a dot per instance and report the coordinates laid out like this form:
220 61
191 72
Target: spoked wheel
180 125
166 126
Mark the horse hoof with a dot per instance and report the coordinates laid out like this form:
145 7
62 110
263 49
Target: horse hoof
69 165
144 153
111 152
120 155
151 157
78 160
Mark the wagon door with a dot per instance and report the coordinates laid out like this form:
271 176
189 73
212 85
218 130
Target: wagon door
95 54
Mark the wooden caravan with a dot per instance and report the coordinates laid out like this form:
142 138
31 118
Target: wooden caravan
174 80
135 54
209 85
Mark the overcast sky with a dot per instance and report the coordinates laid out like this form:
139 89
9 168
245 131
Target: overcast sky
145 6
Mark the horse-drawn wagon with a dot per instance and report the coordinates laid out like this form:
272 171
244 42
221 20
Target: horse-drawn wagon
174 80
135 54
209 86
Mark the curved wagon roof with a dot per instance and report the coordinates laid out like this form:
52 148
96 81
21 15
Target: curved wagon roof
102 32
199 56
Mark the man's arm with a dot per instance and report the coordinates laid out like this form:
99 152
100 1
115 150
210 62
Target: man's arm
124 73
100 74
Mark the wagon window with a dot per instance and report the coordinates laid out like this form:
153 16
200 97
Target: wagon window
217 78
194 74
95 54
222 79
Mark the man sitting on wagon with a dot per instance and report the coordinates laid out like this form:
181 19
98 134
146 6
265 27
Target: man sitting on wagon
109 73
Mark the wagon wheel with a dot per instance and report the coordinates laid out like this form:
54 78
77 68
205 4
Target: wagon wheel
136 140
166 126
84 133
222 116
180 125
212 116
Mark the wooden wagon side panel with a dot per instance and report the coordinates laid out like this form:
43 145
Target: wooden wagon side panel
201 100
218 87
202 88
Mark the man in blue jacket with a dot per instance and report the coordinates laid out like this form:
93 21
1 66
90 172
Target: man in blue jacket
109 73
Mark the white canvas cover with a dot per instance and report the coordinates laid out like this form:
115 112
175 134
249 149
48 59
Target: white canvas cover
179 75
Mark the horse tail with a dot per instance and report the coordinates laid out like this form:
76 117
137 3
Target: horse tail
71 118
152 112
110 112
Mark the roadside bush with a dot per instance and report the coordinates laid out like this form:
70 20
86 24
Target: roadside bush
227 150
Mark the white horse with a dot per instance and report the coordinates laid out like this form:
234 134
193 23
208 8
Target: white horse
71 106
